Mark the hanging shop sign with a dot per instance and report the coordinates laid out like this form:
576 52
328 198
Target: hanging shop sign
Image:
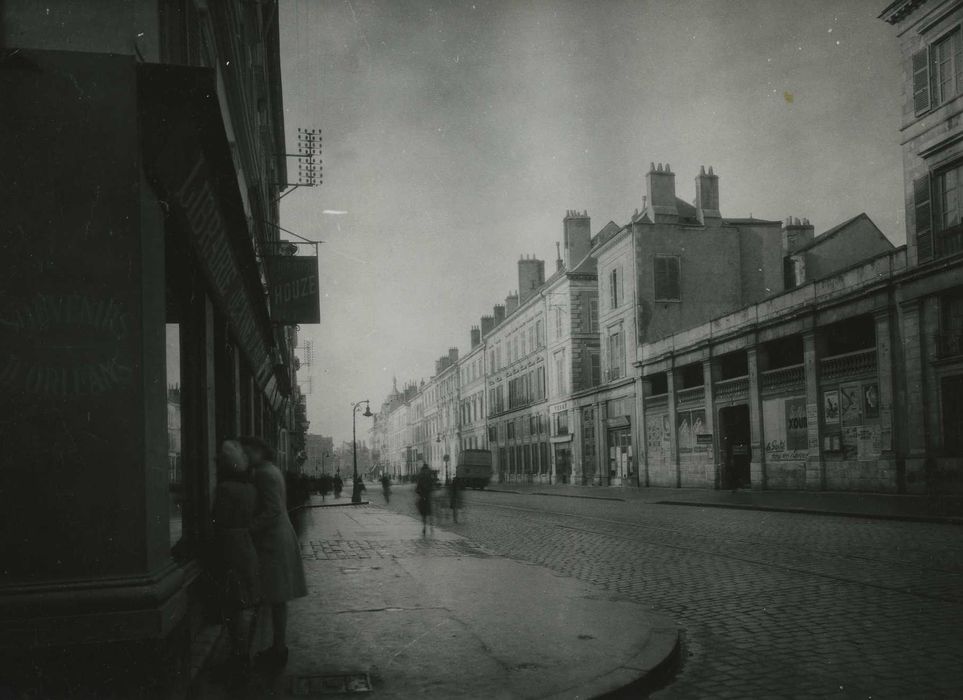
294 282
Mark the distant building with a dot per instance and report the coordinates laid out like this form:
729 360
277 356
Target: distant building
517 375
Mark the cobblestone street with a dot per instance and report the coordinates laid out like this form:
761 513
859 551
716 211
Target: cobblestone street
772 604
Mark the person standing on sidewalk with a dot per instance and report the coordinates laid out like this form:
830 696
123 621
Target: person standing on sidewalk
423 488
234 556
454 496
338 485
282 570
386 488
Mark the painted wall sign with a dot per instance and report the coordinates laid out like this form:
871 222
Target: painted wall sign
294 284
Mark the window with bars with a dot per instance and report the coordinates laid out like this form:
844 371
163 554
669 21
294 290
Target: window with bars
668 274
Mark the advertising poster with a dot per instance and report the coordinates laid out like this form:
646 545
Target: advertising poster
849 402
870 401
653 431
831 407
782 442
691 424
797 431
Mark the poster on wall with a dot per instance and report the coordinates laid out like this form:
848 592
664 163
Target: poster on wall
797 422
870 401
849 402
831 407
867 441
653 431
691 424
786 431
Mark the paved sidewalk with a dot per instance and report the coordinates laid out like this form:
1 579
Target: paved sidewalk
438 616
947 509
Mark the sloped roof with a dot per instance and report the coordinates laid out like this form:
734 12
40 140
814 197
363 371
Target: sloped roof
840 228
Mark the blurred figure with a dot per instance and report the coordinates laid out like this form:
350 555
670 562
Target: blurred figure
338 485
326 485
386 488
359 485
278 549
454 497
423 488
235 559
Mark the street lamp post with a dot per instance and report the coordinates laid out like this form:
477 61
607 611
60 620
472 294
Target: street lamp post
355 490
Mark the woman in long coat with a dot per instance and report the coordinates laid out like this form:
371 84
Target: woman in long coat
235 559
276 542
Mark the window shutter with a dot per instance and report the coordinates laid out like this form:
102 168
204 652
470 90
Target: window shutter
675 290
921 81
924 217
660 280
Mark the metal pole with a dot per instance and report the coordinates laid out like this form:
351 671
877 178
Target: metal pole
355 493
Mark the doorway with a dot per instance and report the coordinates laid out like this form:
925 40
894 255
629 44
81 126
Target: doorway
734 437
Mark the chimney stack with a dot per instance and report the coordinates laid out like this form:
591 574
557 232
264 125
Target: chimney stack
499 313
660 193
475 337
487 325
531 276
511 303
577 237
796 234
452 356
707 197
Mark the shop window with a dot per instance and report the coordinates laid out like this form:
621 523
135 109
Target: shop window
175 442
561 423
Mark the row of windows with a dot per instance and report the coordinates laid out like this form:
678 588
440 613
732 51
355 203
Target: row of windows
517 428
520 343
524 459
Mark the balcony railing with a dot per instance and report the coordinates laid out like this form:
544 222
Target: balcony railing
848 364
726 389
782 377
613 373
691 395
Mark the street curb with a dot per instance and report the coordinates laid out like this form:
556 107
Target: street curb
557 495
647 671
336 505
939 519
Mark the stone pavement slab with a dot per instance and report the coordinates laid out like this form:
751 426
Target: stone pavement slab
439 616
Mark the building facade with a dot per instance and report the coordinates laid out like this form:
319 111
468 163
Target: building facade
152 265
930 309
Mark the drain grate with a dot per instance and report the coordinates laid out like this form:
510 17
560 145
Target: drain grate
331 684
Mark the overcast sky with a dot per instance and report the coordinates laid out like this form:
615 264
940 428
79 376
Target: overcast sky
457 134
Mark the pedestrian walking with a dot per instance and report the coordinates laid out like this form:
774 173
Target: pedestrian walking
423 488
278 549
234 557
338 485
386 488
454 497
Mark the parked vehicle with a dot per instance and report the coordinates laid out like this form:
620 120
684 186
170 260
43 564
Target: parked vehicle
474 468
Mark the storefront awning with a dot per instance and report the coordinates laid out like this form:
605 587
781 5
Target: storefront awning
189 161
